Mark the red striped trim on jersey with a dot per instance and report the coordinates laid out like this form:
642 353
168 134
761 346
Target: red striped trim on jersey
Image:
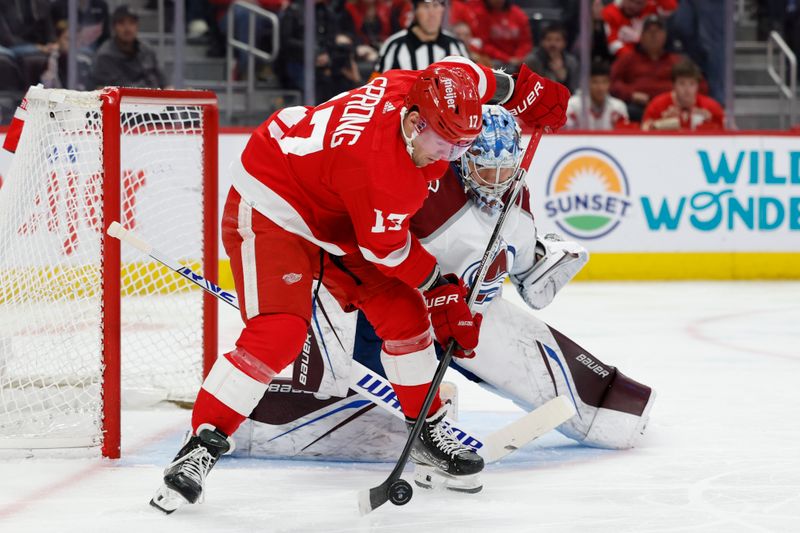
392 259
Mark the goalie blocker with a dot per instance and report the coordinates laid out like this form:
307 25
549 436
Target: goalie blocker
321 413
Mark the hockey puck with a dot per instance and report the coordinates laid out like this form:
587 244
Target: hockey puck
400 492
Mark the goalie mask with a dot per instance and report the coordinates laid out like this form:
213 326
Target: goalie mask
489 167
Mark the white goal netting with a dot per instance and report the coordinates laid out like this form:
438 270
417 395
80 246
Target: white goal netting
51 275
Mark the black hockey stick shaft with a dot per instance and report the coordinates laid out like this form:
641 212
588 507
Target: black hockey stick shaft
380 494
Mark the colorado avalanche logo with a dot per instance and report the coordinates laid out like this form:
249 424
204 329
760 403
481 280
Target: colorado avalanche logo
495 276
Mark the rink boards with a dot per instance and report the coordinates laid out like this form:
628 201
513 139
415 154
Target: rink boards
653 206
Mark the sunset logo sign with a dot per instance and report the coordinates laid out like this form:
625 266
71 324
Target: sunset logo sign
587 194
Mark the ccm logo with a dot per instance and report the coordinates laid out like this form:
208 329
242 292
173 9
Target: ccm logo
591 365
443 300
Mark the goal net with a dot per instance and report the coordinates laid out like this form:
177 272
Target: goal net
81 322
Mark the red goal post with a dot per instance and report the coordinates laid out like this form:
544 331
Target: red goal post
81 320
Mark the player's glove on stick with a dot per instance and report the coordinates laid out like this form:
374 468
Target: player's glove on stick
451 317
538 101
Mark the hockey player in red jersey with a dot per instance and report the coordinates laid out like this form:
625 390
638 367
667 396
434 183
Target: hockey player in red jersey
342 180
518 357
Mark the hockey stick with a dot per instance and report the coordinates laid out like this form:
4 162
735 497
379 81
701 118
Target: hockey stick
394 488
493 447
362 380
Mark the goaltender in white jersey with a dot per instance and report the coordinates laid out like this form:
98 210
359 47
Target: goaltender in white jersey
327 410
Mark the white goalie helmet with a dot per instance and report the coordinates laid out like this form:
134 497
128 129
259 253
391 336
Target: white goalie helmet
490 165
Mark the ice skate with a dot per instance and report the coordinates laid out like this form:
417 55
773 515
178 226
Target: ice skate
441 460
185 476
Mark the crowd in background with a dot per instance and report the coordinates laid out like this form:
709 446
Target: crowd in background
655 64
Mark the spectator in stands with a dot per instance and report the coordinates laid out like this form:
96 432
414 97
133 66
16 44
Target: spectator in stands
551 59
770 15
204 24
10 75
605 111
640 75
336 70
464 11
599 37
28 37
701 29
571 18
401 14
624 22
505 32
371 20
125 60
93 21
56 74
33 31
684 108
782 16
463 33
421 44
263 33
792 27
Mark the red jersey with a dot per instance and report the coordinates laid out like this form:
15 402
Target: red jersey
358 13
339 174
505 33
706 114
465 11
623 32
638 72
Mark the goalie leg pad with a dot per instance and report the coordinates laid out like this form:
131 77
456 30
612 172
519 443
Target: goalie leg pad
540 363
614 426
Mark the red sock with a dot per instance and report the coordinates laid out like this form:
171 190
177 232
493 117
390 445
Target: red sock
209 410
412 397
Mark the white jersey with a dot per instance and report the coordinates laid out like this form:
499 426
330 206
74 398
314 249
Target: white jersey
455 231
606 117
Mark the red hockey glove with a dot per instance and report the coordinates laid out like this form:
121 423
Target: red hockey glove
450 316
461 353
538 101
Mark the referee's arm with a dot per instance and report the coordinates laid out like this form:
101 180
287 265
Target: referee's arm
387 53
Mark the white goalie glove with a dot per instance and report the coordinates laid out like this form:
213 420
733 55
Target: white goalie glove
561 261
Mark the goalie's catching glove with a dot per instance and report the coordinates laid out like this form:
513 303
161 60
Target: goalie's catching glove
451 317
538 101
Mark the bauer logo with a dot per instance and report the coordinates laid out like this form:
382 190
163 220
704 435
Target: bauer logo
587 194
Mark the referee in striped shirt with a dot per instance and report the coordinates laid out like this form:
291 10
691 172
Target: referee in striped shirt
423 43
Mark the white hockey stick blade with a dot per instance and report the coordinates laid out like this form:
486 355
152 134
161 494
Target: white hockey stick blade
364 505
528 428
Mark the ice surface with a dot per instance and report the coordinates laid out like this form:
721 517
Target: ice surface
721 453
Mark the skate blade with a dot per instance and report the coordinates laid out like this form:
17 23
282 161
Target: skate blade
167 500
432 479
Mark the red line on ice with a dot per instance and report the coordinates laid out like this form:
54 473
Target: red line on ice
695 330
37 495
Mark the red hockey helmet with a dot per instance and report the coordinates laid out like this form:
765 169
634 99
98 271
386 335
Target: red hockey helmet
448 102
